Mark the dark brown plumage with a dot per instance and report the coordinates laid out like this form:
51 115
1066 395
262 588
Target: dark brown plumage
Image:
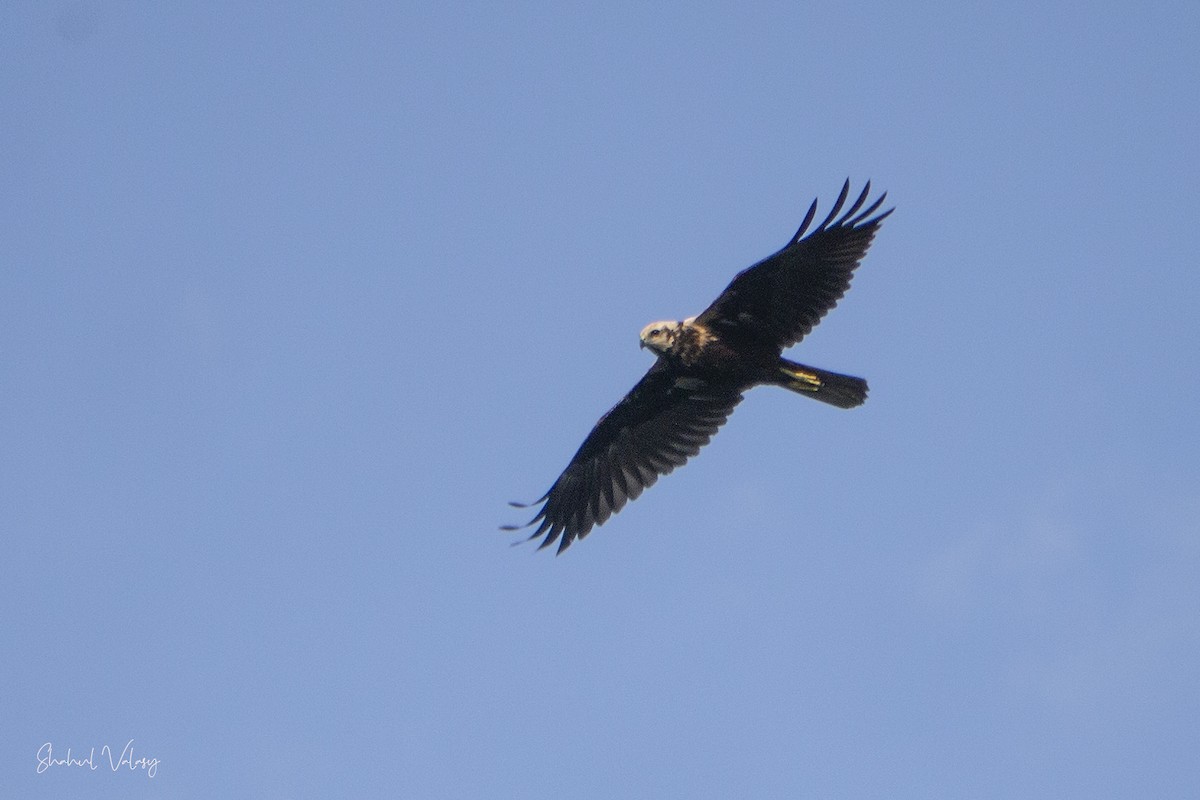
706 363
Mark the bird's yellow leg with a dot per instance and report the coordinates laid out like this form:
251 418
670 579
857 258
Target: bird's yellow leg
801 380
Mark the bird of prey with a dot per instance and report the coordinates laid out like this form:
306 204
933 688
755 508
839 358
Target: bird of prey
704 365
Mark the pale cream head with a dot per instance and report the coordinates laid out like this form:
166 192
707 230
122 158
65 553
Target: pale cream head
659 336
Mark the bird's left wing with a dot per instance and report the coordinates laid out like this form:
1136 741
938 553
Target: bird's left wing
663 421
782 297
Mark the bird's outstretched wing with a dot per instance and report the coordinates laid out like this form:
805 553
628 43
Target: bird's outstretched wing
663 421
782 297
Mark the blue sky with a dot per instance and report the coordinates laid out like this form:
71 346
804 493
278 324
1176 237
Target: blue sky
293 301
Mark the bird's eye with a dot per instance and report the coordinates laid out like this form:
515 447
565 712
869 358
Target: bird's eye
656 332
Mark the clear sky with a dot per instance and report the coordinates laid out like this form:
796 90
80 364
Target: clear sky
293 299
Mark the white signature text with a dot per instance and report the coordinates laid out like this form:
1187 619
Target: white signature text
47 758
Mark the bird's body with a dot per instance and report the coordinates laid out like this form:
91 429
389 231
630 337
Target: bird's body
706 363
694 350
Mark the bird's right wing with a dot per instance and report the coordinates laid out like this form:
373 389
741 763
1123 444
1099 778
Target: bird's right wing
663 421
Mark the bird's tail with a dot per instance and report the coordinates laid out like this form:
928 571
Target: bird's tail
843 391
